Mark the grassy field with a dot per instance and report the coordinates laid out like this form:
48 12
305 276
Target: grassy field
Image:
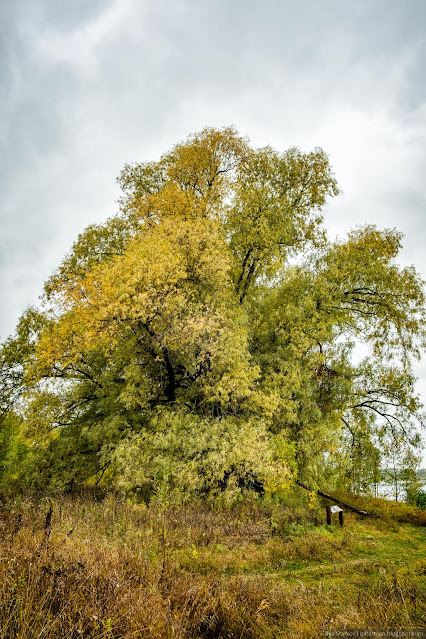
105 568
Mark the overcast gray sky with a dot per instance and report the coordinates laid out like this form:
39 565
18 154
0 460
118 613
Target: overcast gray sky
88 86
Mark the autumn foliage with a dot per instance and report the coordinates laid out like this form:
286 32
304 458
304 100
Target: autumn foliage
202 340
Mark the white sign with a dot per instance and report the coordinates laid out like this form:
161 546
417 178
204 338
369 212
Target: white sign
336 509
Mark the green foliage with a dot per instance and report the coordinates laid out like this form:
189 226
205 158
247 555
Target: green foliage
420 499
205 337
193 454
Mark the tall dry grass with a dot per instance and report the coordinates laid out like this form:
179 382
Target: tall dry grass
80 567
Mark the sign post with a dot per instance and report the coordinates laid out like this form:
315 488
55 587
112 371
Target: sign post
331 510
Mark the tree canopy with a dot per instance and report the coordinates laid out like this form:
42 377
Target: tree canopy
208 335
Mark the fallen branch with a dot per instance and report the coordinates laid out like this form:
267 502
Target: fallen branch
336 501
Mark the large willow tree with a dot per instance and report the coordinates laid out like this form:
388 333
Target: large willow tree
204 336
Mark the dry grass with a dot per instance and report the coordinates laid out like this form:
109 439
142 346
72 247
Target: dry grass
108 569
388 510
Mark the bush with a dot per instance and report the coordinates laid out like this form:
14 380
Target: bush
420 500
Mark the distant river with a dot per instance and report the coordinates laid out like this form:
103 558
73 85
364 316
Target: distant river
388 491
